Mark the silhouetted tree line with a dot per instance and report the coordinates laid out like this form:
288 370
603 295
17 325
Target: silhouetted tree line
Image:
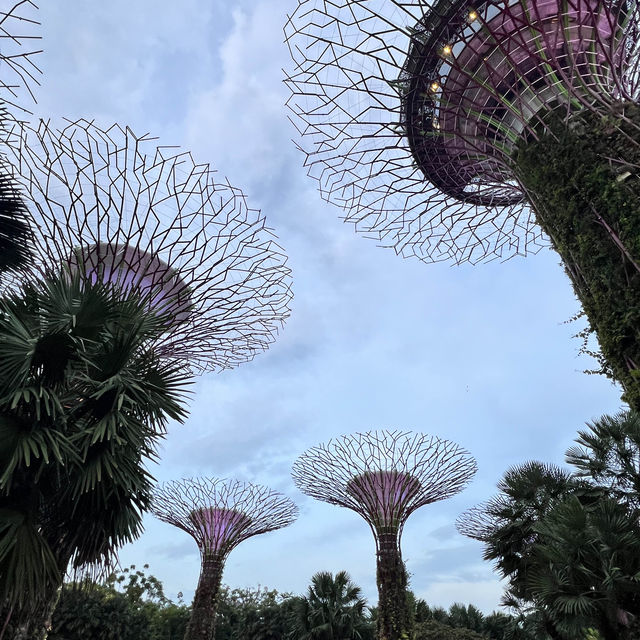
132 606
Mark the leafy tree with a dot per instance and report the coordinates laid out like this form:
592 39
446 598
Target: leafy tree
497 625
132 605
83 401
253 614
569 544
467 617
507 525
424 613
127 606
87 610
333 609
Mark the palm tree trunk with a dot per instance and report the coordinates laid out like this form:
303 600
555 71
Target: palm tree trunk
394 618
202 624
35 624
34 621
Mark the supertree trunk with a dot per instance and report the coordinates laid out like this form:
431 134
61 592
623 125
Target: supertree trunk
202 625
582 179
384 476
394 618
219 515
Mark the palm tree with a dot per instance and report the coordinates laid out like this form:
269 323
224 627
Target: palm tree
333 609
83 402
466 616
15 233
608 454
586 568
507 525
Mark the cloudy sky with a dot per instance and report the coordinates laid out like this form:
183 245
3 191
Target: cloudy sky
480 355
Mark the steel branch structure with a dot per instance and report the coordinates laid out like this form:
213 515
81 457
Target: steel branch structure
384 476
19 74
478 523
410 111
19 48
136 215
219 515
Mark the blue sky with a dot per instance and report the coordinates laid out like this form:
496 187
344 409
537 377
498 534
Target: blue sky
480 355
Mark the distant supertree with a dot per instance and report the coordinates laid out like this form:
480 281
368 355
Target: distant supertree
434 126
124 211
219 515
384 476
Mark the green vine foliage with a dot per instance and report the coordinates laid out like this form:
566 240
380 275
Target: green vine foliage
395 621
582 180
432 630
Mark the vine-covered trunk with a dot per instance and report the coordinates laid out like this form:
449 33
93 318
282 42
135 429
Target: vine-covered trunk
583 182
202 624
394 616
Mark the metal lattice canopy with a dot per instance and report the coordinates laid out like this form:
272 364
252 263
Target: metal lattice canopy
384 475
137 215
409 111
220 514
478 523
19 47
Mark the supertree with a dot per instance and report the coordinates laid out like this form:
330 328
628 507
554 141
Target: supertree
122 210
219 515
466 131
384 476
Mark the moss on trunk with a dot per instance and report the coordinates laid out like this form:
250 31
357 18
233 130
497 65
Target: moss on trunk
202 624
583 181
395 621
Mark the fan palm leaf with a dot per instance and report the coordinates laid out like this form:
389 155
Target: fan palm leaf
332 609
84 401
